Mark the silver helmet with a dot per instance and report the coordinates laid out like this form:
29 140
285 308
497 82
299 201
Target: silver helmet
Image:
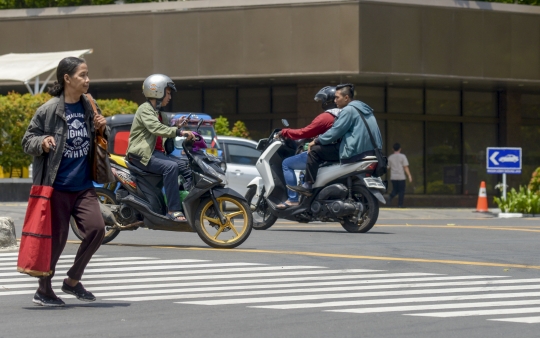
154 86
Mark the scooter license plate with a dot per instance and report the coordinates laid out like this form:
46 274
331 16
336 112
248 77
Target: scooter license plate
374 182
212 151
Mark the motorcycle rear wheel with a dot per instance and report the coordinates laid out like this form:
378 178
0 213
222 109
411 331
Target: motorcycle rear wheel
231 234
262 218
369 217
105 196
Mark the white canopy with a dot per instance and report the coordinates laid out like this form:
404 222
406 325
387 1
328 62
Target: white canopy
29 66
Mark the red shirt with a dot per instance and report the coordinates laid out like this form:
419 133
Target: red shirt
319 125
159 141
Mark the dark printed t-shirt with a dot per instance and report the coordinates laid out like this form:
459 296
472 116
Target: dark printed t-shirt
74 171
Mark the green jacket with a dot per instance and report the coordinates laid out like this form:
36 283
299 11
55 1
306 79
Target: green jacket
145 129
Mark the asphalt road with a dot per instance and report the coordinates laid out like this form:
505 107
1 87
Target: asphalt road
418 273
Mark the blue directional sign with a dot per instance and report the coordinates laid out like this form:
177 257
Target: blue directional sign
503 160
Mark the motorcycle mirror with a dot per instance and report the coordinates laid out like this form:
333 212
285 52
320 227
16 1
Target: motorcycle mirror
199 124
285 122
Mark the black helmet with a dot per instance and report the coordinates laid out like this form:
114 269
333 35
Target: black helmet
326 95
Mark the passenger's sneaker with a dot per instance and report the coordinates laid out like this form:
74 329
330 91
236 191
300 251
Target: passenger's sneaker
45 300
78 291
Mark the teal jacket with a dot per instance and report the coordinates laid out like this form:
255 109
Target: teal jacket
351 129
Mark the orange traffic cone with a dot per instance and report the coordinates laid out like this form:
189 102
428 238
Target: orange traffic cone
482 205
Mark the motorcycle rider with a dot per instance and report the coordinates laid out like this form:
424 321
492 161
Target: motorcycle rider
319 125
145 145
348 127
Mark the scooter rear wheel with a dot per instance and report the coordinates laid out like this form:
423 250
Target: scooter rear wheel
105 196
262 218
223 236
369 216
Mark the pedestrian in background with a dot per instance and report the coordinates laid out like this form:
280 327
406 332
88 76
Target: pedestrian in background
399 166
61 139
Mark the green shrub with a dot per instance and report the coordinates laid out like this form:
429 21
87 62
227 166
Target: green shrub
534 184
523 201
222 126
240 130
117 106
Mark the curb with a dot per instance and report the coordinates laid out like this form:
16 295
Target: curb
8 239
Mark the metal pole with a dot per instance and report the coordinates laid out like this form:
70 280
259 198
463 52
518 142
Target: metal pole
36 85
28 87
504 187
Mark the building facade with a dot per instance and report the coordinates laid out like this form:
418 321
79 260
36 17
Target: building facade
447 78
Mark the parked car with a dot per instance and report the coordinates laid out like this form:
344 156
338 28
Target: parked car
240 155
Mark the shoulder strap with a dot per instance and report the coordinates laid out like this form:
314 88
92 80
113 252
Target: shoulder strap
367 126
94 108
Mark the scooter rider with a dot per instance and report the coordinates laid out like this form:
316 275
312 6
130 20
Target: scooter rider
349 127
145 146
319 125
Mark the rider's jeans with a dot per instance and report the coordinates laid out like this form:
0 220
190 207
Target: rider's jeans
162 165
290 164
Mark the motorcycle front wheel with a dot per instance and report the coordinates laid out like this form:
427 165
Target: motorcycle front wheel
366 220
262 218
223 236
105 196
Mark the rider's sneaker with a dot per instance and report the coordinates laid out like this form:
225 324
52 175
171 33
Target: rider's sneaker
45 300
78 291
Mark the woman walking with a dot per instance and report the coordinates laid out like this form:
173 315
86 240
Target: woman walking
61 139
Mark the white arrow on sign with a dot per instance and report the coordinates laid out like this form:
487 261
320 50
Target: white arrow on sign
493 156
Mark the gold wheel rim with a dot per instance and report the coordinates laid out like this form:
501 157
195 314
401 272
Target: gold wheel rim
236 226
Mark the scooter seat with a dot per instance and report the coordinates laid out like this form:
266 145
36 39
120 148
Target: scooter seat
329 163
136 171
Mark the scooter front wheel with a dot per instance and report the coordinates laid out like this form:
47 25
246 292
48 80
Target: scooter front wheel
262 218
224 236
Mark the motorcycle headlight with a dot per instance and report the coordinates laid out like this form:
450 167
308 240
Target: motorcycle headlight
215 173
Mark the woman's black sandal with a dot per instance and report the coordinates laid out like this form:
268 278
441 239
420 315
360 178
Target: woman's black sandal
177 216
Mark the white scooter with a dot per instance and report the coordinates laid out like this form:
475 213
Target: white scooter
344 193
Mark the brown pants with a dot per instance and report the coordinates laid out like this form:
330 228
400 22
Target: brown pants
84 207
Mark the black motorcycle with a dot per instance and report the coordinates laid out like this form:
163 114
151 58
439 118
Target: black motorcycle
220 216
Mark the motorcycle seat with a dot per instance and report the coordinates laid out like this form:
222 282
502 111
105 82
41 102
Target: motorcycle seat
136 171
329 163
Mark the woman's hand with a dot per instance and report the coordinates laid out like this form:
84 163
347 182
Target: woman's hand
310 144
99 122
188 135
181 121
48 144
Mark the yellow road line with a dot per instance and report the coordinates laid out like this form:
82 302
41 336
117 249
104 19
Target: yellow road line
331 255
449 226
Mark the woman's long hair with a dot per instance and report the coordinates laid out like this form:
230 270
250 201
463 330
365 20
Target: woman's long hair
65 66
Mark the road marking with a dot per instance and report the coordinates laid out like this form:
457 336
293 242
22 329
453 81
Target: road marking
476 313
145 262
349 295
526 320
397 301
438 306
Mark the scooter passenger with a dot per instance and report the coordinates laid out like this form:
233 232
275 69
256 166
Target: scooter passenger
319 125
349 127
146 141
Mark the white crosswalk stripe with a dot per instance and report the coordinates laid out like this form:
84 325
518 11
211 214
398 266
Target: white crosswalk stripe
285 288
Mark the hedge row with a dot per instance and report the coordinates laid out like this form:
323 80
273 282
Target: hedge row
16 111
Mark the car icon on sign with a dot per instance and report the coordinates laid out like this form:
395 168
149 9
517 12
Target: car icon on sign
509 158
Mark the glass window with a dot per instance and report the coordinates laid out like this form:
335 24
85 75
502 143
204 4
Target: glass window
372 96
530 106
443 158
410 136
530 141
284 99
187 100
405 100
480 104
477 138
240 154
220 101
442 102
253 100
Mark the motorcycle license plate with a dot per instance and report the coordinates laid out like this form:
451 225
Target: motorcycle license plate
374 182
212 151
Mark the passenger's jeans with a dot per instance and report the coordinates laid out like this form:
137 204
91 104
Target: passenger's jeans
290 164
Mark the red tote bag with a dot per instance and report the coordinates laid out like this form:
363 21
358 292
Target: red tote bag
36 240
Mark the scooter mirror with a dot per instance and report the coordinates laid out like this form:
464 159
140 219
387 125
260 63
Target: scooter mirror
199 124
285 122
